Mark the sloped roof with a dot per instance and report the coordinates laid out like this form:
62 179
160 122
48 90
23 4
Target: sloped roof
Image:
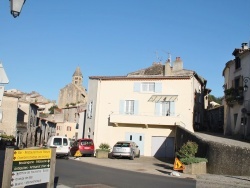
78 72
155 69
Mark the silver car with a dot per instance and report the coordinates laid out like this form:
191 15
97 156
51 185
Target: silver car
126 149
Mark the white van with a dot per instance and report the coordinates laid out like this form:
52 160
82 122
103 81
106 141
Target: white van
62 145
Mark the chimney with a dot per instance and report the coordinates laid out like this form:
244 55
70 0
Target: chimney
244 46
178 64
168 68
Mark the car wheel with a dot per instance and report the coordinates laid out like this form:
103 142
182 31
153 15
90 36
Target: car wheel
138 154
132 156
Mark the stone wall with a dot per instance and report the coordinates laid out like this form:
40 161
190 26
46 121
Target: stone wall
222 159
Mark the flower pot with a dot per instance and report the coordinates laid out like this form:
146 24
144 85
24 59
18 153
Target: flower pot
196 168
102 154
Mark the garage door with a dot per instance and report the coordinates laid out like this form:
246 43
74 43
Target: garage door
162 147
138 138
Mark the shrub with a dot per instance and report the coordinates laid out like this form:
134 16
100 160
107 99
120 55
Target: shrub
189 149
187 153
104 146
190 160
7 137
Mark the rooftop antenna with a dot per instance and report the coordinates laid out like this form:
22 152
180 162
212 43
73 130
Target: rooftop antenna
169 56
158 58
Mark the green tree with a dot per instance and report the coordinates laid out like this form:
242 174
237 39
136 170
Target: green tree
52 108
215 99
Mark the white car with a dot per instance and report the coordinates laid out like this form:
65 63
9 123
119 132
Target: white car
126 149
62 145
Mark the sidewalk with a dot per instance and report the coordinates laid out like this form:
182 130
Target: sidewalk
152 165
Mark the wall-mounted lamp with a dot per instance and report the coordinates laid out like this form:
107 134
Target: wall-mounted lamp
245 80
16 7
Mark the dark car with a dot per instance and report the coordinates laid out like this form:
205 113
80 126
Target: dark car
84 145
126 149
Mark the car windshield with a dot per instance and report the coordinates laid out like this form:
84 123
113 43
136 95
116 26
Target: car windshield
121 144
86 142
57 141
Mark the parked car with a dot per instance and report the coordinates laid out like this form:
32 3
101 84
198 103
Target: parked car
85 146
126 149
62 145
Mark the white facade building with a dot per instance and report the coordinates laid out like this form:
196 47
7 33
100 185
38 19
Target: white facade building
145 107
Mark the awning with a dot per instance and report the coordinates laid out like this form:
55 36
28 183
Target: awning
162 98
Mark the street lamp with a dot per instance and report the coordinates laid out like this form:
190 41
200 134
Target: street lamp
245 80
16 7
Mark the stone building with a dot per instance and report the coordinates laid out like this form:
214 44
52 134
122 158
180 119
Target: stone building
73 93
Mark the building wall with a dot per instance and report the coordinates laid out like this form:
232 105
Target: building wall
24 107
223 159
233 115
67 129
106 97
9 120
81 123
215 119
71 94
92 112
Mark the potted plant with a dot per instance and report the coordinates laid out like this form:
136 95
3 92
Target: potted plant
193 165
103 150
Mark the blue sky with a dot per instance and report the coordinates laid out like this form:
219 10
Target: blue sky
41 48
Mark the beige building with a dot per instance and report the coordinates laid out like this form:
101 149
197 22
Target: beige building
73 122
237 93
73 93
8 125
145 106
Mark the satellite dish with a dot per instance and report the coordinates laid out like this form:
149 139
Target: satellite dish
244 110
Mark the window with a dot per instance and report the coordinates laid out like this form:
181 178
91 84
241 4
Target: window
148 87
90 105
68 128
165 108
130 137
57 141
235 119
237 63
237 83
152 87
129 107
87 143
65 142
58 128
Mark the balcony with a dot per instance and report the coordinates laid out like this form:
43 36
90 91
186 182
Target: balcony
146 120
234 96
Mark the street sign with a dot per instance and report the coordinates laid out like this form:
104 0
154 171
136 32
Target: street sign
24 155
78 154
30 167
178 165
29 177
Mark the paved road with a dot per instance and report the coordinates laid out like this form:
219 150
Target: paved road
151 165
77 173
